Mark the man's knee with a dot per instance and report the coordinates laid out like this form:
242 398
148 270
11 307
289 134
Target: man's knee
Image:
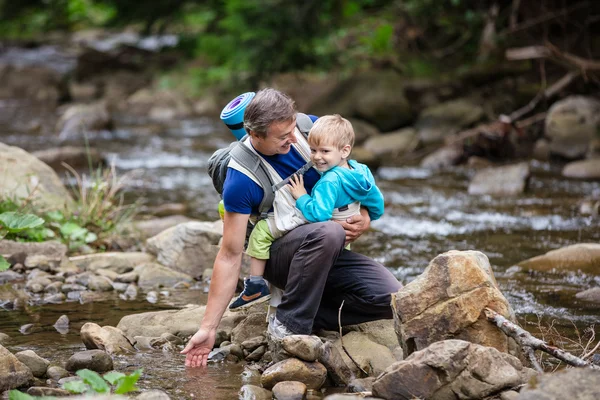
330 235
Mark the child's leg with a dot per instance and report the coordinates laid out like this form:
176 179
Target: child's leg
255 287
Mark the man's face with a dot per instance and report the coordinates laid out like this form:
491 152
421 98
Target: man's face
279 139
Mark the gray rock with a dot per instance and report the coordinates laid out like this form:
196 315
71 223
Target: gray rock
372 357
182 323
117 262
451 369
393 143
362 131
152 395
154 275
586 169
107 338
441 120
337 368
96 360
154 226
54 287
254 343
252 326
10 276
107 273
380 331
305 347
445 157
55 298
35 363
446 302
574 383
584 257
289 390
591 295
188 248
129 277
361 385
4 338
571 124
13 373
252 392
47 391
100 284
311 374
501 181
56 373
257 353
80 118
23 172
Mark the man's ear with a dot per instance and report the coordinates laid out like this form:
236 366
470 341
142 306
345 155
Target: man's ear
346 151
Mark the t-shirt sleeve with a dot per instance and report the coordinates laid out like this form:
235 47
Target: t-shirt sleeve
241 194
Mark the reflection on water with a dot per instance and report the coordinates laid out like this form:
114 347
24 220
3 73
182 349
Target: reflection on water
427 213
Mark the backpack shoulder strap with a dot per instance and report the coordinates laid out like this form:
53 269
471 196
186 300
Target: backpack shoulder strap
304 123
250 161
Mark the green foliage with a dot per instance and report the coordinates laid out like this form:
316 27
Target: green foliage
94 383
15 222
4 265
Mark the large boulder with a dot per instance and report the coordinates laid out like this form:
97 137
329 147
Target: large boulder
189 248
451 369
441 120
380 331
508 180
25 176
159 104
447 302
182 323
376 97
584 257
571 124
13 373
574 383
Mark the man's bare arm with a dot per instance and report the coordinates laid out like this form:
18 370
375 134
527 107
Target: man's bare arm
226 269
224 280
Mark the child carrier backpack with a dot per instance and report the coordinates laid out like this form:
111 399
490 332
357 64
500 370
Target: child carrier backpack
218 162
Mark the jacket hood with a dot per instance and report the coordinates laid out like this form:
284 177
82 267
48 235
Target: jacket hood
355 180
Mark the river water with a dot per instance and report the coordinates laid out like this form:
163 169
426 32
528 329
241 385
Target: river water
427 213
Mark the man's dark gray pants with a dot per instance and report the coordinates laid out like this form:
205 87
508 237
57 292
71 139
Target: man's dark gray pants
316 273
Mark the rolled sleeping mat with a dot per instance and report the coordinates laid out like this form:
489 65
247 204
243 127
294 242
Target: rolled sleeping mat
233 114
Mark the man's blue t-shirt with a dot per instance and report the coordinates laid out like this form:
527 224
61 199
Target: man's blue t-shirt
242 195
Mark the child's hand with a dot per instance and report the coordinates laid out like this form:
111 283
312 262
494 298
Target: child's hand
296 186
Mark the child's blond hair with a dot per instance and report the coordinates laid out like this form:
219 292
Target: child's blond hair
332 130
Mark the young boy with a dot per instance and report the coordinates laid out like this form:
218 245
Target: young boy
345 185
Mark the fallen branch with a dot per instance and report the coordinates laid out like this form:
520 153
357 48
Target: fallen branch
550 92
342 340
529 343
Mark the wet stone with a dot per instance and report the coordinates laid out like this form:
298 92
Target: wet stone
55 298
10 276
289 390
56 373
54 287
305 347
73 287
257 354
251 392
254 343
96 360
35 363
47 391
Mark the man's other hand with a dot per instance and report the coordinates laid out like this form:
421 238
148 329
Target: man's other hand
197 349
356 225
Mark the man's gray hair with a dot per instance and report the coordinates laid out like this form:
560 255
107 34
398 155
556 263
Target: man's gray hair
268 106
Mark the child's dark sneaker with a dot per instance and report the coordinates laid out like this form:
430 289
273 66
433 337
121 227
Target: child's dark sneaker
254 292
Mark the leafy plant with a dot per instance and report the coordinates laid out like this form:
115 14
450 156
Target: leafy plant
92 383
11 224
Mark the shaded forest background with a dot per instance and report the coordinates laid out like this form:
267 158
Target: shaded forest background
240 43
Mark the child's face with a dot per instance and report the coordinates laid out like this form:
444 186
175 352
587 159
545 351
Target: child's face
327 156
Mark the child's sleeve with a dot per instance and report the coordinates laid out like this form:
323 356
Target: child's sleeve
318 207
374 202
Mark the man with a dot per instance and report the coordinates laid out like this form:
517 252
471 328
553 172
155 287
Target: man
309 263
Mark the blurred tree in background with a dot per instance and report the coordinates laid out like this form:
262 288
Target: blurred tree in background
244 41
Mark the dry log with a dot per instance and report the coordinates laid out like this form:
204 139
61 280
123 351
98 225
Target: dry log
529 343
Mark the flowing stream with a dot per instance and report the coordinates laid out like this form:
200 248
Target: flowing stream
427 213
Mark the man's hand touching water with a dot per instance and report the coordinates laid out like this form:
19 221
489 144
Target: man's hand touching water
197 349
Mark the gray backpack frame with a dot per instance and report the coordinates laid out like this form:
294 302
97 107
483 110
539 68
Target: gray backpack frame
218 162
